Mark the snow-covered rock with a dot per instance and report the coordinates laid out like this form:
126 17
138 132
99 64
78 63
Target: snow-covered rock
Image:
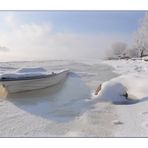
113 91
135 85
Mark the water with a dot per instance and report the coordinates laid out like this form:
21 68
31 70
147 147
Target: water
63 110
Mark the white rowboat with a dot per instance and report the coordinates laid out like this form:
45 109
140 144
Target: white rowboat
13 85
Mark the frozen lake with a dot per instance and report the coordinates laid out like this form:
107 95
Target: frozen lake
92 72
63 110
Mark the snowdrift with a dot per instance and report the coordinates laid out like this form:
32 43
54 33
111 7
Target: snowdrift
61 102
135 85
25 72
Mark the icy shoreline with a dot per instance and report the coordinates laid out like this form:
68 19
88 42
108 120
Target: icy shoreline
66 110
132 116
69 110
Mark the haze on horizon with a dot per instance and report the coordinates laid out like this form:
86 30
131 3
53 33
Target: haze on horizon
43 35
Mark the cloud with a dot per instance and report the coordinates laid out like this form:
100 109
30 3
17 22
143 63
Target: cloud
40 41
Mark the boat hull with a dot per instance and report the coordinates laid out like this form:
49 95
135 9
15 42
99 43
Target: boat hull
33 84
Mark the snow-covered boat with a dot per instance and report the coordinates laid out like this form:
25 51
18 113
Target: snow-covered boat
27 79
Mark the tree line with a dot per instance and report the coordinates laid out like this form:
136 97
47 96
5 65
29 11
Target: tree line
139 49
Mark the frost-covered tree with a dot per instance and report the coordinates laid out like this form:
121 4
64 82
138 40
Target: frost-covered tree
141 37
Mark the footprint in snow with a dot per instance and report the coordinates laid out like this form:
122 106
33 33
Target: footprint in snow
145 113
117 122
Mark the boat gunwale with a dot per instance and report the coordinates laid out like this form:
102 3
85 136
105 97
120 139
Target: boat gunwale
31 77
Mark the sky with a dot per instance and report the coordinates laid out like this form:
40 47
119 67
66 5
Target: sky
37 35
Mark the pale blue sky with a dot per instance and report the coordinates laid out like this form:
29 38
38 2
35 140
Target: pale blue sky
65 34
85 21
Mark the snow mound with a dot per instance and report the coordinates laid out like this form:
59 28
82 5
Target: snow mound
136 85
125 88
62 102
113 91
31 70
25 72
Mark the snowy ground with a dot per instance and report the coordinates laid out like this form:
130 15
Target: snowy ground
128 66
65 110
132 118
71 110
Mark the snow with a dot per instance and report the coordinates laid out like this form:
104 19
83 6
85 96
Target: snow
112 91
66 109
31 70
133 80
116 89
21 75
47 112
128 66
69 109
25 72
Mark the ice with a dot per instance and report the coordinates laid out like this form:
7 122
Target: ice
134 77
69 109
64 110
